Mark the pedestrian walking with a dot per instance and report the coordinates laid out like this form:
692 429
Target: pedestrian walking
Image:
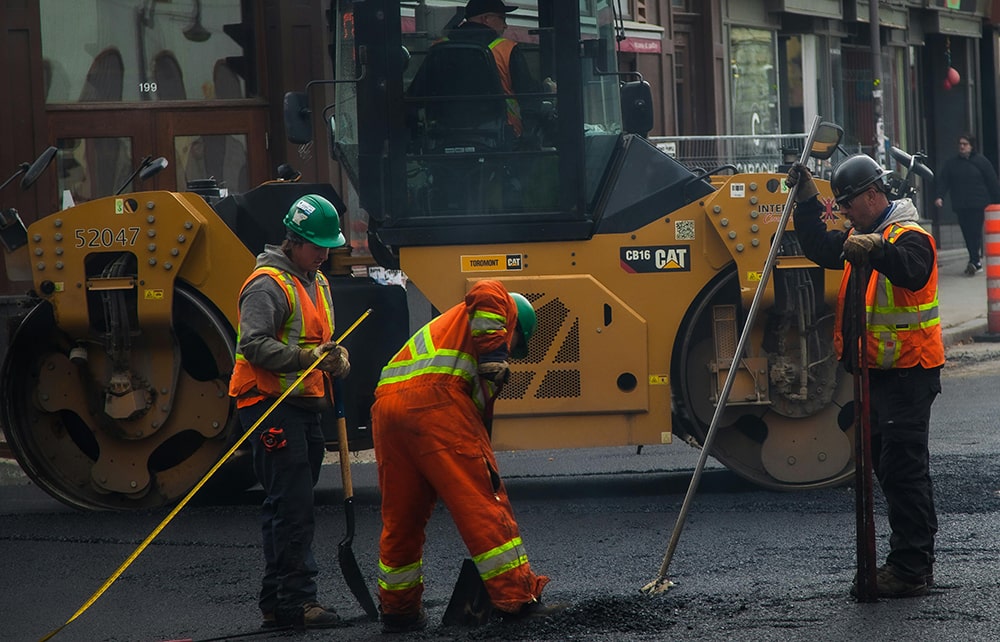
285 324
905 350
429 419
972 183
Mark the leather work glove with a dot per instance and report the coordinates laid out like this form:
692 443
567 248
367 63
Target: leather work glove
496 371
335 359
860 248
799 173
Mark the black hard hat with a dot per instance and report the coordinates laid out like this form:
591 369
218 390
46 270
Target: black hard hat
479 7
855 175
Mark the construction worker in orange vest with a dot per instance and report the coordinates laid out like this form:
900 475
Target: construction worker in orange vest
431 442
285 324
905 351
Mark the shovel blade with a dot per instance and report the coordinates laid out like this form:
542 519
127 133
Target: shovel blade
470 604
355 580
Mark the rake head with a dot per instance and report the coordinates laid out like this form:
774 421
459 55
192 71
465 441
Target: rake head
657 586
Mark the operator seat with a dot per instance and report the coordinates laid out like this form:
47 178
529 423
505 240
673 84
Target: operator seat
464 103
464 122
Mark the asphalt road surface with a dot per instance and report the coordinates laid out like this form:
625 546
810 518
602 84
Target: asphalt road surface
751 564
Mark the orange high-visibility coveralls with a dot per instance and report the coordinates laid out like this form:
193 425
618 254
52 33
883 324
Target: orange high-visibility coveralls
431 441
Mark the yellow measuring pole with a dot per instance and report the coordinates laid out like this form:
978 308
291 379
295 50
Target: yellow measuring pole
156 531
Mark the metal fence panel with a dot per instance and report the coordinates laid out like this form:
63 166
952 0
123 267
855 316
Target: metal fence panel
750 153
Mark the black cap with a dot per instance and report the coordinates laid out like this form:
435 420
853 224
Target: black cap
479 7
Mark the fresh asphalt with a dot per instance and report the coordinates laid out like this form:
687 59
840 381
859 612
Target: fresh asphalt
600 535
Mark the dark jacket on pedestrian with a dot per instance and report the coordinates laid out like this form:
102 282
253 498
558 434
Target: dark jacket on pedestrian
972 182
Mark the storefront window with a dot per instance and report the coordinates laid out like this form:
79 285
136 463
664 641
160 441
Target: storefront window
145 50
89 168
222 157
753 81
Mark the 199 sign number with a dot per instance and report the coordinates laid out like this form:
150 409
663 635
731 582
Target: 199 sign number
147 87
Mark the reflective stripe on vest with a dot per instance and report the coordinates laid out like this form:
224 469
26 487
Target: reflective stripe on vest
487 323
400 578
904 327
501 559
303 313
501 48
425 359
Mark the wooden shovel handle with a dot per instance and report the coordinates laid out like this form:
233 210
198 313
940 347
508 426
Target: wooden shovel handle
345 463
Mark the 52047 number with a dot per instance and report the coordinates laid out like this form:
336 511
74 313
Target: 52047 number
106 237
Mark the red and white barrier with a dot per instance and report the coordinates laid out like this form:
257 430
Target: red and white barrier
991 250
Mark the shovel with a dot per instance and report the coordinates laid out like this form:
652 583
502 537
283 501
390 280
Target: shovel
345 554
470 603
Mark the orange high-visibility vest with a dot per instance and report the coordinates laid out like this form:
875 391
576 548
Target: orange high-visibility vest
903 326
501 48
309 324
445 351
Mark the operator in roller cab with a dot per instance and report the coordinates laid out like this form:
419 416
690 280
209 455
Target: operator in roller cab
483 26
285 325
905 351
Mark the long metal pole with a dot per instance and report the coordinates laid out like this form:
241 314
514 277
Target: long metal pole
661 584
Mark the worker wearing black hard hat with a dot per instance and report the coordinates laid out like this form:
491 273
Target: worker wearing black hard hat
904 349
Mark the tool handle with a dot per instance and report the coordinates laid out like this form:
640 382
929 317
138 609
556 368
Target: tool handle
866 586
345 464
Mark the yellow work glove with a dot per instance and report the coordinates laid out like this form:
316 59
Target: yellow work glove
799 173
860 248
335 359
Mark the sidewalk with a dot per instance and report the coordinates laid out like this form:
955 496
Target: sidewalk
962 298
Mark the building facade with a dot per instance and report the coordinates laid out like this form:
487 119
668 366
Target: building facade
201 82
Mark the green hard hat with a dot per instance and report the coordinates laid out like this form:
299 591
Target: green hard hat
527 321
316 220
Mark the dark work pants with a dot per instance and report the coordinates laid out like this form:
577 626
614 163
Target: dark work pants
288 475
971 221
901 408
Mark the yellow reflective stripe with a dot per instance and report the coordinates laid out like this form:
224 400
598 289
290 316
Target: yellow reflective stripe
325 296
400 578
448 362
291 332
458 364
886 320
501 559
902 317
486 323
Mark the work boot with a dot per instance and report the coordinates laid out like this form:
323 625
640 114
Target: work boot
891 584
535 610
315 616
404 622
270 621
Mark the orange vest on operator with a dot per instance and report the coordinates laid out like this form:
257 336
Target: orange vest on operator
308 326
501 48
903 327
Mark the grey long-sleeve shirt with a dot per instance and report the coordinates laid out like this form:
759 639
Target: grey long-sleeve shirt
264 310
